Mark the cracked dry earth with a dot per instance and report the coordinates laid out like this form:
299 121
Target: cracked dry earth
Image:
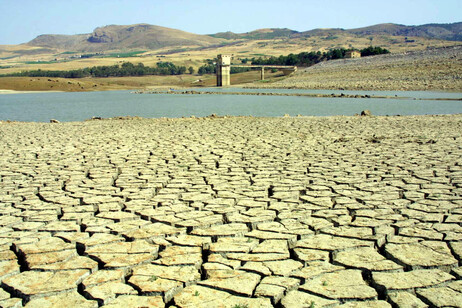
232 212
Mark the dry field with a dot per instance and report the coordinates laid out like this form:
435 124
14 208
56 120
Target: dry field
194 56
394 72
232 212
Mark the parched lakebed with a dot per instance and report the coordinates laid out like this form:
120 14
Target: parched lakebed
232 212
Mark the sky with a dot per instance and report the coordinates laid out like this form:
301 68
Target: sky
23 20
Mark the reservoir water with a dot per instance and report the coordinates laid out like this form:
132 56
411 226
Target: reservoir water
79 106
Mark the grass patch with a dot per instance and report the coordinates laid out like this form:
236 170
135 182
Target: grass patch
124 54
40 62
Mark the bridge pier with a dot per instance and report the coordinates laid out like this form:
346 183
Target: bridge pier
224 70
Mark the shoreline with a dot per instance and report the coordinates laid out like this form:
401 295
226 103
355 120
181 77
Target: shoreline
2 91
342 95
242 86
229 118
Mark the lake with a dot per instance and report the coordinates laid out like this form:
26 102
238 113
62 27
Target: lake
79 106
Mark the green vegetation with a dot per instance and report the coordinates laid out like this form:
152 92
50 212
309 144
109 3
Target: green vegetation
124 54
6 58
235 70
212 69
89 55
128 54
126 69
40 62
311 58
256 35
207 69
372 51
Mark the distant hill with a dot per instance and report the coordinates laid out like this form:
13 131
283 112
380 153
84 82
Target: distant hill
260 34
451 32
115 37
145 37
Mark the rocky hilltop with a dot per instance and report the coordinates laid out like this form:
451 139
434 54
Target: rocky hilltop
124 37
145 36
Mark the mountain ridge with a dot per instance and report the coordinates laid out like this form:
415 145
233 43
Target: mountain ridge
151 37
449 31
123 37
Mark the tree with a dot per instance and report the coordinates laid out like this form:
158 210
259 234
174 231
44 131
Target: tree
371 51
207 69
191 70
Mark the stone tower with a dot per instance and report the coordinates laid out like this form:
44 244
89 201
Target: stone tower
223 70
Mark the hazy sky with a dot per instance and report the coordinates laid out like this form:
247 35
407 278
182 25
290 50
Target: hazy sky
23 20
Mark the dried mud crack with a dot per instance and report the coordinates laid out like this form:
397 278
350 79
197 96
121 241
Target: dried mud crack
232 212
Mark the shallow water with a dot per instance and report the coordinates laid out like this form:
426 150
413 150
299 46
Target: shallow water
78 106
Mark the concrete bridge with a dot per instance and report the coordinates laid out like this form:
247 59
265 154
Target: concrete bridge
224 69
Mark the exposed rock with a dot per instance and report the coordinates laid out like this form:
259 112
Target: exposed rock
366 113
